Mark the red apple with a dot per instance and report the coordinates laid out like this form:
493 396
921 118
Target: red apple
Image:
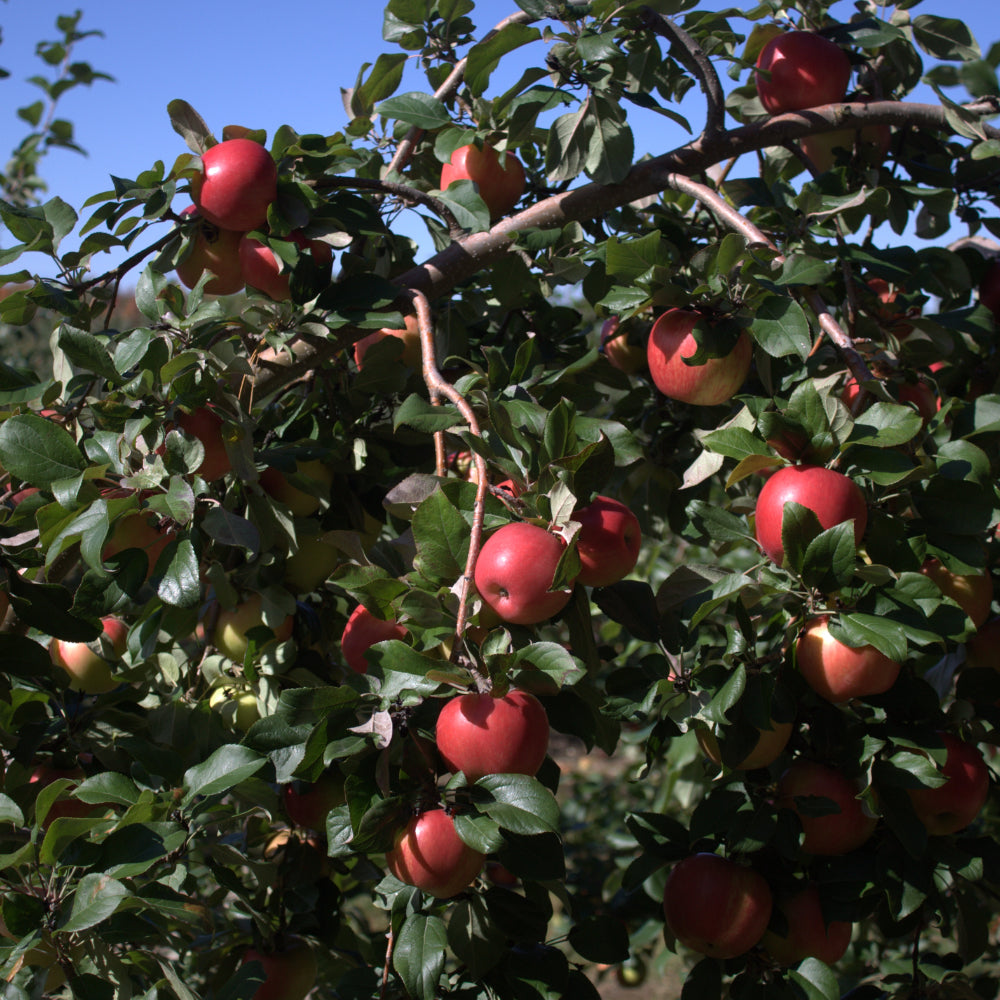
289 973
972 592
886 312
801 70
239 180
262 270
955 804
715 906
989 288
830 495
361 632
619 349
45 774
838 672
834 833
409 335
515 570
808 934
768 748
301 503
90 664
608 543
429 854
215 250
983 648
308 802
500 184
232 625
206 425
716 381
138 530
480 734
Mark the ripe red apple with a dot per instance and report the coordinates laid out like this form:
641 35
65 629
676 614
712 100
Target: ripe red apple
239 180
608 543
918 393
972 592
830 495
308 802
715 906
215 250
716 381
838 672
989 288
500 184
833 833
409 335
261 269
886 312
290 972
955 804
301 503
480 734
429 854
871 143
206 425
801 70
138 530
232 625
515 570
770 743
89 664
619 349
361 632
808 935
45 774
983 648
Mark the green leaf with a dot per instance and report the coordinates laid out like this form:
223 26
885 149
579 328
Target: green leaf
484 56
87 352
473 937
816 980
420 953
945 37
442 539
857 629
421 110
886 425
39 451
383 80
600 939
727 696
830 558
799 269
224 769
190 126
96 898
780 326
519 803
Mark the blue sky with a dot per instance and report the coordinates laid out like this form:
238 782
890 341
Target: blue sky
259 65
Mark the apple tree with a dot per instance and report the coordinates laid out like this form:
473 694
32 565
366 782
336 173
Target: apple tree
608 587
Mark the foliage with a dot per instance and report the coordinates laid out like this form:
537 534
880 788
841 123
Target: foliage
163 879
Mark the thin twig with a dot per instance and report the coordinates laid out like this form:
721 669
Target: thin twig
693 56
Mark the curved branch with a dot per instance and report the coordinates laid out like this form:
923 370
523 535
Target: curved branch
450 86
466 257
696 61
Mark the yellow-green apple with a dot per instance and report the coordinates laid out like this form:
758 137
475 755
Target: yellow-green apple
715 906
429 854
205 424
214 250
311 563
262 269
409 335
833 833
619 349
838 672
768 748
232 625
515 571
239 180
90 664
480 734
289 972
871 143
808 934
500 184
237 706
300 502
672 341
830 495
972 592
800 69
361 632
952 806
632 973
989 288
308 802
608 543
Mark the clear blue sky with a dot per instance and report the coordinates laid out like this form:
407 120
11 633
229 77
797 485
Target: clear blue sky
259 65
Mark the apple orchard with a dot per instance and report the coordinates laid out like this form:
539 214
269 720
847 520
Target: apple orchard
602 597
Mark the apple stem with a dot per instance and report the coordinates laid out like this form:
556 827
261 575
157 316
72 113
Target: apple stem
438 386
389 944
697 62
740 224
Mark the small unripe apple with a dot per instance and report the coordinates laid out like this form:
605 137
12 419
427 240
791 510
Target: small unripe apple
238 707
619 349
232 625
300 502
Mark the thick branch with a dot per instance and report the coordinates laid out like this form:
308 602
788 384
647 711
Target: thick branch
459 261
693 56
